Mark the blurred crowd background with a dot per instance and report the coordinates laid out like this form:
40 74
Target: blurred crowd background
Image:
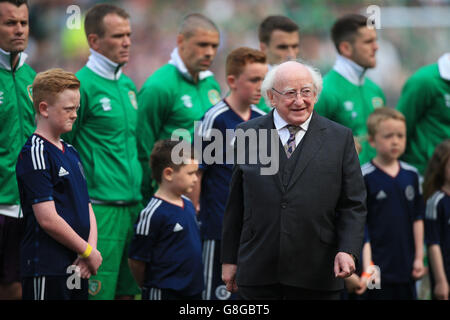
412 33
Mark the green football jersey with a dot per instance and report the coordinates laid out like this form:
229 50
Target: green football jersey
169 101
263 106
425 102
17 124
350 105
104 135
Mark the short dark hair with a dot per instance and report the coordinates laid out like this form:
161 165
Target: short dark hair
17 3
275 22
161 158
346 28
93 24
194 21
240 57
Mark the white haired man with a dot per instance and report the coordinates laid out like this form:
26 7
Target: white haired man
283 236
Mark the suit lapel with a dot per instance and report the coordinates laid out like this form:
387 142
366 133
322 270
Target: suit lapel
312 143
267 123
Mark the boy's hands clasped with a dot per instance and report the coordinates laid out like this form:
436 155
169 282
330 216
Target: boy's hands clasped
89 262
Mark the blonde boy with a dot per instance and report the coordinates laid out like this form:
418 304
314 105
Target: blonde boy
395 209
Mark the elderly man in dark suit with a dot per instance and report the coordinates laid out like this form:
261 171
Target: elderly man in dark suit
298 233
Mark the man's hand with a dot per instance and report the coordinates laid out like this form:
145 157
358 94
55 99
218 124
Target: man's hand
229 276
344 266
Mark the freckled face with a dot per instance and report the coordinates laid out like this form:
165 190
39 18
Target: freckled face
63 112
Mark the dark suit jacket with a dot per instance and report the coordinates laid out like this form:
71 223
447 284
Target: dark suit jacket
291 235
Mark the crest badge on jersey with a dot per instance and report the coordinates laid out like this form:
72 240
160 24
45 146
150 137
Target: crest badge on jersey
187 101
106 104
214 96
30 92
377 102
94 287
409 193
133 99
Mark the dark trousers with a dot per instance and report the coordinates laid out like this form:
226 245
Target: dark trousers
11 231
283 292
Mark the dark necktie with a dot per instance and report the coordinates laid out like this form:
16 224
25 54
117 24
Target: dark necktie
290 144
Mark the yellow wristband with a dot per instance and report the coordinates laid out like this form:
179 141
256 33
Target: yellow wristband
86 252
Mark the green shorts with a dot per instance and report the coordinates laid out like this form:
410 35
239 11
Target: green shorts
115 231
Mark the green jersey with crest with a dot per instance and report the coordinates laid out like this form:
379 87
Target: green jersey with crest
17 124
104 135
169 101
350 105
425 102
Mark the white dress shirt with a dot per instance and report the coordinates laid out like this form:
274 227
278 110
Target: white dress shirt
283 132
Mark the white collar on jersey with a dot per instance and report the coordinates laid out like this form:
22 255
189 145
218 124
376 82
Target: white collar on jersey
5 59
444 66
104 67
350 70
176 60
